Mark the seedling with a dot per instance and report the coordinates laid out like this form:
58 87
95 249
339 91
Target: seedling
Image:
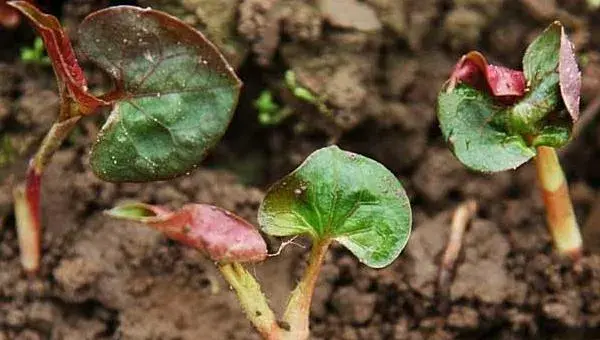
305 94
333 196
269 112
35 54
172 100
495 119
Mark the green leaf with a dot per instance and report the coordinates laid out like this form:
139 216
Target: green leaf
541 56
529 115
466 117
175 93
343 196
553 136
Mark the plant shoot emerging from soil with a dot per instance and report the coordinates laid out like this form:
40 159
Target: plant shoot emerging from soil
172 100
35 54
333 196
269 112
495 119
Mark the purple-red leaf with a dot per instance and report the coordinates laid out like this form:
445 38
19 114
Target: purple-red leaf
68 73
503 83
569 76
221 235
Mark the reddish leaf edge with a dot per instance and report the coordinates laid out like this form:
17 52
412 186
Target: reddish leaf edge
506 85
69 74
192 35
221 235
569 75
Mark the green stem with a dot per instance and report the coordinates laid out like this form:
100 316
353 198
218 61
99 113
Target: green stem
52 141
252 300
560 216
298 309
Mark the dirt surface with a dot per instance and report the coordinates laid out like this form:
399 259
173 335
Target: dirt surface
374 67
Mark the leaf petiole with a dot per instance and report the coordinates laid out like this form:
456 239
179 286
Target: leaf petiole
298 309
252 300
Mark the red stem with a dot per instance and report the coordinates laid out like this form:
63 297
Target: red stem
27 213
27 196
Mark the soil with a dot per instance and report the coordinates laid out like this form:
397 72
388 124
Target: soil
376 65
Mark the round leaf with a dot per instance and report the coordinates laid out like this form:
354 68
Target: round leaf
465 115
175 93
342 196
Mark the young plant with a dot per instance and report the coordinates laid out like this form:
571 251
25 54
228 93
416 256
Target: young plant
495 119
269 112
173 97
333 196
305 94
35 54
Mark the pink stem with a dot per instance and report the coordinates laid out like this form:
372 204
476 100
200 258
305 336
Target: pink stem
27 211
27 196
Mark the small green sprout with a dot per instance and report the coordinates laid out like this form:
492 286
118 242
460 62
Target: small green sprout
305 94
269 112
36 54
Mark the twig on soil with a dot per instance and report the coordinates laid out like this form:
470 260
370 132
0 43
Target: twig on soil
460 219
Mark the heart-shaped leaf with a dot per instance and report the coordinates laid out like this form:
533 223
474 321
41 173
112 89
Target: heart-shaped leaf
174 97
221 235
343 196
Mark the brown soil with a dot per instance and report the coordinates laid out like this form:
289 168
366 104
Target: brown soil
378 65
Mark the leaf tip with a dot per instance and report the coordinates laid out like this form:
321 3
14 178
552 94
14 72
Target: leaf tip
134 211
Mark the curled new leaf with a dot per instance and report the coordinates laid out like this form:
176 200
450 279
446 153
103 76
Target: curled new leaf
473 69
342 196
221 235
68 73
174 96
